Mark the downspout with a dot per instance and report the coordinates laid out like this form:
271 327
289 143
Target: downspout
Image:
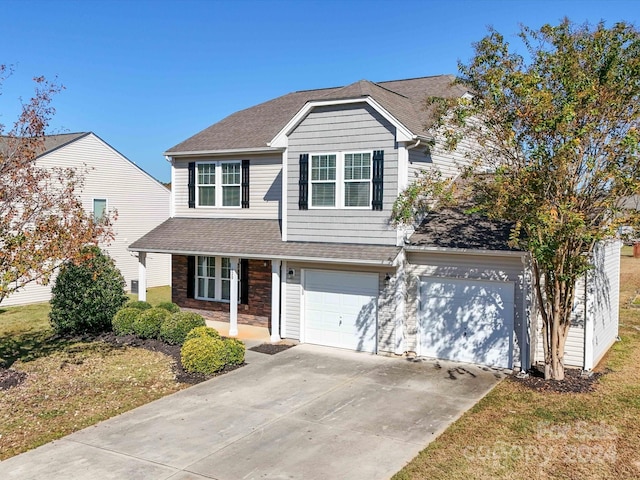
172 207
525 347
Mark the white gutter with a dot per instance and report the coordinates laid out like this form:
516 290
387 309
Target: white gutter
267 256
231 151
465 251
172 207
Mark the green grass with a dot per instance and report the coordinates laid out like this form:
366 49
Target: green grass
155 295
70 384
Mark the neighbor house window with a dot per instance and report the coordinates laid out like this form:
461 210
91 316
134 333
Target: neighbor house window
323 180
213 278
218 184
99 209
357 179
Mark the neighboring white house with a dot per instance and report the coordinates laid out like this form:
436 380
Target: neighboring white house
112 182
281 218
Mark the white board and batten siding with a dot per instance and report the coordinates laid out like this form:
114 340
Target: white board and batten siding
295 300
141 201
336 129
467 271
595 315
265 192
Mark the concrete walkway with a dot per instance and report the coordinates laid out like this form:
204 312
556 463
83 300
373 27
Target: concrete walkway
306 413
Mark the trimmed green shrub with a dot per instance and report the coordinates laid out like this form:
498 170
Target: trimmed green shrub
174 330
122 323
148 324
169 307
202 332
87 294
234 351
203 355
139 304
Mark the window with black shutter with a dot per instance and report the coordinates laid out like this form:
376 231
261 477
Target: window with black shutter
192 185
245 184
303 199
377 179
244 281
191 277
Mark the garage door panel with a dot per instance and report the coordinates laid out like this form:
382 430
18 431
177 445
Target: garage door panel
467 320
341 309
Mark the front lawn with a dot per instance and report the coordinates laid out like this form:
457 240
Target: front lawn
515 432
70 384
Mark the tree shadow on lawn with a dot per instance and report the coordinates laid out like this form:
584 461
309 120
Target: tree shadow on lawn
30 345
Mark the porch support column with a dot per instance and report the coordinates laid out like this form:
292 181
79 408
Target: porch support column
275 301
142 276
233 298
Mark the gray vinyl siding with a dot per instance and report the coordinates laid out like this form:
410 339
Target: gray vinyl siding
439 158
294 300
141 202
604 298
463 266
333 130
265 191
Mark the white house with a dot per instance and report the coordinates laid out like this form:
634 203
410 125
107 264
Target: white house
281 218
112 182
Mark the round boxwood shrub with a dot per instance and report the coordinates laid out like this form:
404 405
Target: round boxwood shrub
202 332
139 304
174 330
122 323
203 355
234 351
169 307
87 294
148 324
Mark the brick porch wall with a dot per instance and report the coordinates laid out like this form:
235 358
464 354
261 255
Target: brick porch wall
258 310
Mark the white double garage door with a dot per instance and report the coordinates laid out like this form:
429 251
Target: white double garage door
461 320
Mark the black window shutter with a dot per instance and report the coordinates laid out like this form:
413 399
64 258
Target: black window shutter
245 184
191 277
303 203
378 169
192 184
244 281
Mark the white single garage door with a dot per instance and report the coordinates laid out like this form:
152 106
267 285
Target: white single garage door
466 320
341 309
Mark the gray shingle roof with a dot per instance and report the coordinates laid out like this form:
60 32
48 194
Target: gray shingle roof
52 142
452 228
252 239
254 127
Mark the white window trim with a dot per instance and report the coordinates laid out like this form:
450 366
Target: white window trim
93 206
218 185
339 181
217 279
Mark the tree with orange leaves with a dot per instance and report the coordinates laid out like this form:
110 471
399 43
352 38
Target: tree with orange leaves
42 221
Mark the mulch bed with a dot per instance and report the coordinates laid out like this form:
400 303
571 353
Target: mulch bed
172 351
10 378
574 381
271 348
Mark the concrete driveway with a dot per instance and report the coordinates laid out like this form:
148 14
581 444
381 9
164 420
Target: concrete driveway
306 413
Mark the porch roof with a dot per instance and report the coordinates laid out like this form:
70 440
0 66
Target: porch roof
249 238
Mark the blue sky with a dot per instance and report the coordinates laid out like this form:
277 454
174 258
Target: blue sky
145 75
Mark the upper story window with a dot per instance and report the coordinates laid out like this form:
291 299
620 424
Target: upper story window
218 184
357 179
99 209
323 180
341 180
